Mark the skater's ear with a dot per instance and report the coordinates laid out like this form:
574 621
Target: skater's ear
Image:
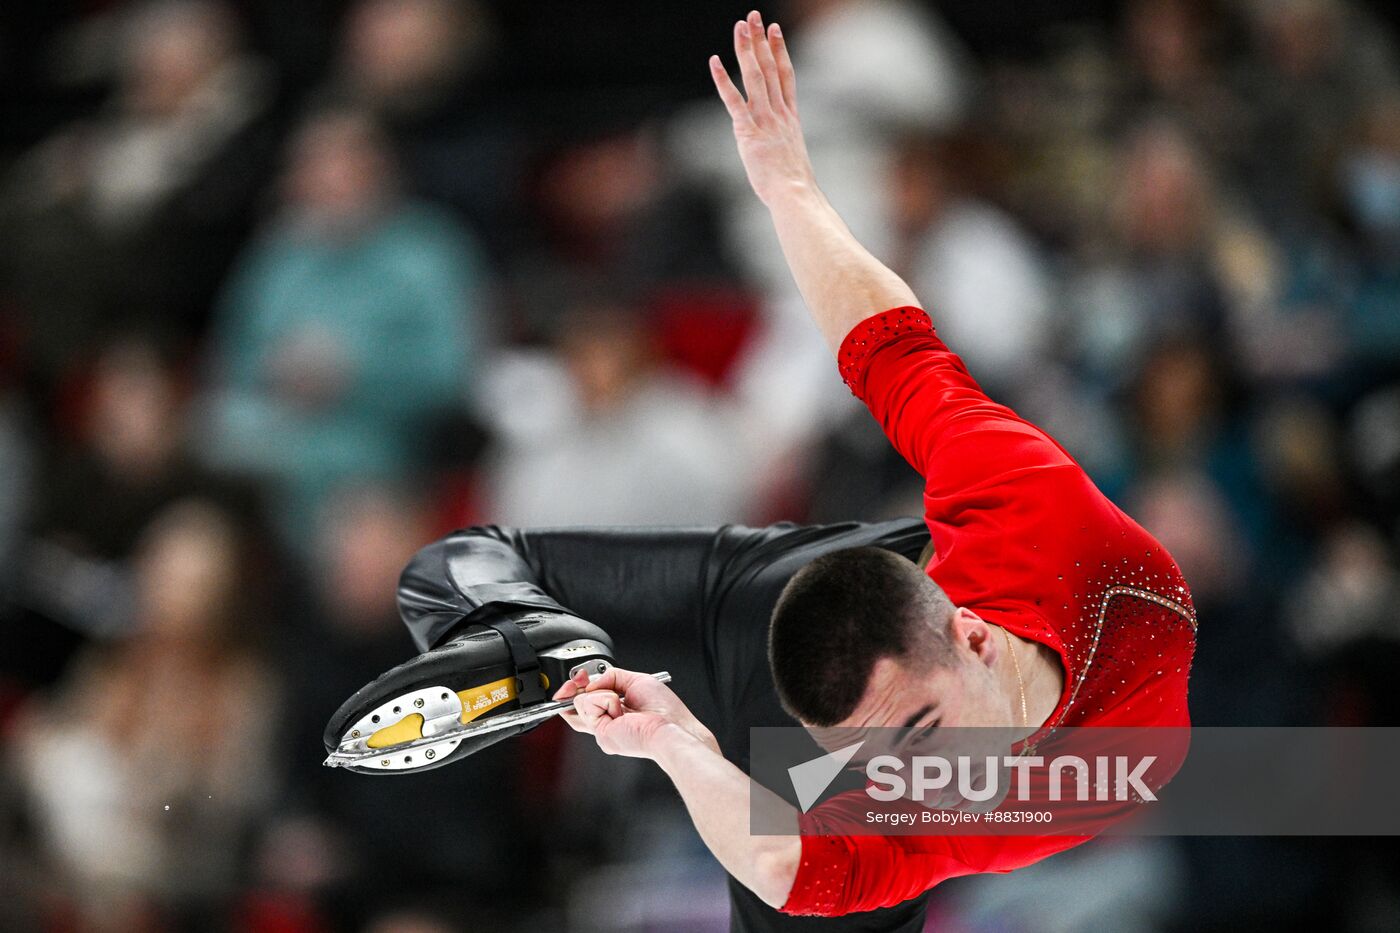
970 631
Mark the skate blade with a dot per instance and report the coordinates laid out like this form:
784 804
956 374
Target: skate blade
413 730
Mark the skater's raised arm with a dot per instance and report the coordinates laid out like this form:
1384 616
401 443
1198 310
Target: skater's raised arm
922 395
840 281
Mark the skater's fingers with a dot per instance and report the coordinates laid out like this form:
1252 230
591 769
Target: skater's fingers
620 681
614 678
575 721
786 76
728 93
593 706
754 85
767 64
611 736
572 686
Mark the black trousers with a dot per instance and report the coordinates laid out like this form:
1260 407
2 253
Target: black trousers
693 601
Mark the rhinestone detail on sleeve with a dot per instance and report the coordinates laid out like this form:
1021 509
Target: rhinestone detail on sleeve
821 877
871 334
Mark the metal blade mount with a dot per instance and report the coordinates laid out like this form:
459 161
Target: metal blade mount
417 753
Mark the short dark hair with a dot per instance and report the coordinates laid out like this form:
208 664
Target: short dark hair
840 614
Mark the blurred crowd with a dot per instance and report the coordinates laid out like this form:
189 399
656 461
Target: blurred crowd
287 290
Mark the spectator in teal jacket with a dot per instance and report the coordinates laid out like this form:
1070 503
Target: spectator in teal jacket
347 327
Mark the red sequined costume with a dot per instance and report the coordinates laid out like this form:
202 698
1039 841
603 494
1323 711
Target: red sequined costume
1024 539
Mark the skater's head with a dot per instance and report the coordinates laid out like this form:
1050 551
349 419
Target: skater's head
864 638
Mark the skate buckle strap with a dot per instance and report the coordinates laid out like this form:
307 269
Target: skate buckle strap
522 656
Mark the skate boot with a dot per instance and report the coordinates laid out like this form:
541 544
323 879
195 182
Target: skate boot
488 681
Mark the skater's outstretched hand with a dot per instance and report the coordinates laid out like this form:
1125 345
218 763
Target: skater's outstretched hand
766 126
841 282
629 713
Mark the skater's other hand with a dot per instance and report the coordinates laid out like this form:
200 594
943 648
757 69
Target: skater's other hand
629 713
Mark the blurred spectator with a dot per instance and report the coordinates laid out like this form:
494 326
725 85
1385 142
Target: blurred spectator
130 457
404 56
1178 69
622 440
1188 515
130 219
1179 263
1320 63
1373 442
1183 419
1350 594
849 48
1369 182
349 327
606 209
147 766
93 502
1301 457
426 70
973 266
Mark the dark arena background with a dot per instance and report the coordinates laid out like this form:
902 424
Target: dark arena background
290 287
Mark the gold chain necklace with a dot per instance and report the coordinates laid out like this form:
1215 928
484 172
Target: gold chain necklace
1025 717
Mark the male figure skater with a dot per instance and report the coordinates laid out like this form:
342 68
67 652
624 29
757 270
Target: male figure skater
1042 606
